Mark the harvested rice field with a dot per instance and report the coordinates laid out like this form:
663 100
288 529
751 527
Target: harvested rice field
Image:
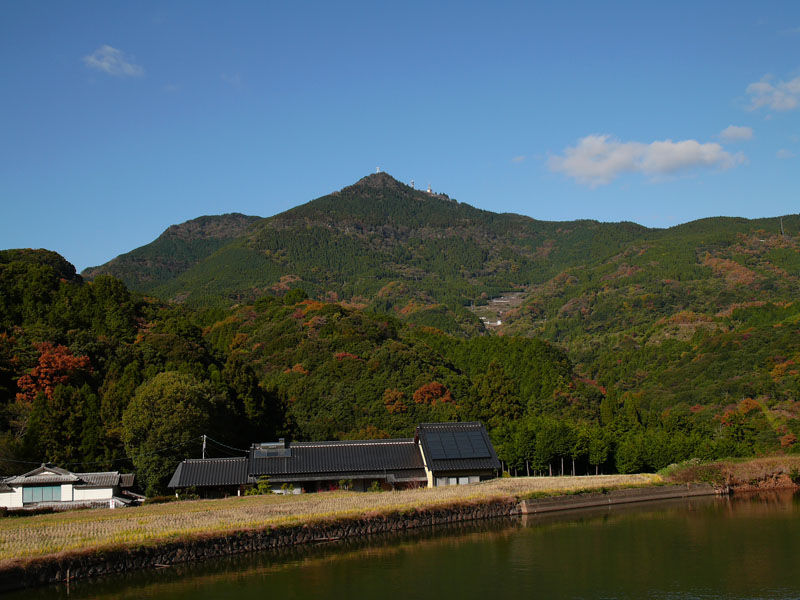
23 538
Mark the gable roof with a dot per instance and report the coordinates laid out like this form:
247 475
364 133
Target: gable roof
106 479
210 471
341 457
448 447
51 475
307 461
46 474
456 446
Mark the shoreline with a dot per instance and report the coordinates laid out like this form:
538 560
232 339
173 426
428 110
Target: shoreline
73 565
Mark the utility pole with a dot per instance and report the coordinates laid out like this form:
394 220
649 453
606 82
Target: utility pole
204 445
782 232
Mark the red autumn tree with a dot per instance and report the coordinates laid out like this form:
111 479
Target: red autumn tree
56 366
431 393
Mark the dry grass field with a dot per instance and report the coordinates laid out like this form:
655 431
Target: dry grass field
741 474
22 538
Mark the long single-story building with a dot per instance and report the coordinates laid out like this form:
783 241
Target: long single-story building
438 454
54 487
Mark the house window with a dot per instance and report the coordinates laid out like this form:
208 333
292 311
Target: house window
42 493
442 481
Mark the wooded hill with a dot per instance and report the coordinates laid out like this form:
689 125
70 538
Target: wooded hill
350 316
649 312
378 243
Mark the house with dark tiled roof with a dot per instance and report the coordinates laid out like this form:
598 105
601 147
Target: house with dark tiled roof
55 487
456 453
446 454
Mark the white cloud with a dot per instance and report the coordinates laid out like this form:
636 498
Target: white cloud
735 133
599 159
784 153
783 95
114 62
518 159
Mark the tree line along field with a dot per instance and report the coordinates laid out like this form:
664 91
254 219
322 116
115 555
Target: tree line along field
94 376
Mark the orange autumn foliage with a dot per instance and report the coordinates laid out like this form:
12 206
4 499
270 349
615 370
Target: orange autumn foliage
393 401
56 366
431 393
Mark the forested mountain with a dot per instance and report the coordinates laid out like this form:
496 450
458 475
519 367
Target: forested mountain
91 375
177 249
352 316
383 244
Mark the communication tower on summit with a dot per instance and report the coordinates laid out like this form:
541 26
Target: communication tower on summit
412 184
430 191
377 169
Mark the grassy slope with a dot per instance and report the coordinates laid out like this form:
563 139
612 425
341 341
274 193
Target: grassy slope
23 538
764 473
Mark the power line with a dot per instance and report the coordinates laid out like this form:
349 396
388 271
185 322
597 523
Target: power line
105 462
225 445
223 452
222 449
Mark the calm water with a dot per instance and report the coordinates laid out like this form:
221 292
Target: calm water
704 548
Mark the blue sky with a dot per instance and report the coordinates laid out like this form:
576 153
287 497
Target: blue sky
120 119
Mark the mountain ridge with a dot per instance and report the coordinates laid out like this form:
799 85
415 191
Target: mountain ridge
396 232
174 251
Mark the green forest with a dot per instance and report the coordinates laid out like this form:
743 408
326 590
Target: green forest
353 316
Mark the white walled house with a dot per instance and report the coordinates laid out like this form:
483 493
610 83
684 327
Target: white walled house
54 487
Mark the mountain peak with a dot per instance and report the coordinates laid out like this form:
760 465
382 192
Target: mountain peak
227 226
378 180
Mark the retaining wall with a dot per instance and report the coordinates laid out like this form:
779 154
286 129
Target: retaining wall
556 503
56 569
92 564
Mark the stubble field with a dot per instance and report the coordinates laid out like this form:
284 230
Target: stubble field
23 538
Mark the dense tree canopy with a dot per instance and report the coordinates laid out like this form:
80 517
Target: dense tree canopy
663 345
166 413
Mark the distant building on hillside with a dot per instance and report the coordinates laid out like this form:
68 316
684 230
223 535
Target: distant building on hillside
439 454
53 487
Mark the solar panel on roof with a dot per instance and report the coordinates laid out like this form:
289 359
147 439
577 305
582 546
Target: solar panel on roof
449 445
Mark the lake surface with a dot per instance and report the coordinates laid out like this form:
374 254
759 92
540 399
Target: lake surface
741 547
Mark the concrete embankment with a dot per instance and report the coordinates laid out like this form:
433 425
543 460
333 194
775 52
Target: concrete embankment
93 563
63 568
592 500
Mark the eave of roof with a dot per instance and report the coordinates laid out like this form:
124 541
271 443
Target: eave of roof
455 464
105 479
397 476
210 472
341 457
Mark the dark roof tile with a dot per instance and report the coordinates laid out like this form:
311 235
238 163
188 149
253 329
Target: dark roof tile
338 457
457 447
210 472
106 479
